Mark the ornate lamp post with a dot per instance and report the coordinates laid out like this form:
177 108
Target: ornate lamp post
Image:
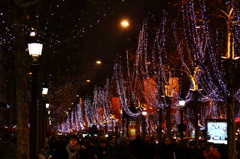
182 127
144 114
35 50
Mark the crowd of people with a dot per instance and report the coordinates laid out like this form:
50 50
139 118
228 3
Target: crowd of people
79 147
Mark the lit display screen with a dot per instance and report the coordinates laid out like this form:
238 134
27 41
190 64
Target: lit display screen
217 131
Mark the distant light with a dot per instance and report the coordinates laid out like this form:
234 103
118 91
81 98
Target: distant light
125 23
182 103
47 105
88 80
144 113
98 62
44 91
148 63
33 33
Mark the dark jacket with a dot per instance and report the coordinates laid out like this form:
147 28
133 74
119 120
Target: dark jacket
195 154
138 148
182 153
120 153
167 151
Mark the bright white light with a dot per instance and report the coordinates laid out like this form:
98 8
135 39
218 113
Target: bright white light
32 33
35 49
44 91
98 62
182 103
144 113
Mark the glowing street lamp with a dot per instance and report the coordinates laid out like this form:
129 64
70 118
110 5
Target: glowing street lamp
182 126
98 62
125 23
35 50
181 103
34 47
47 105
144 114
44 90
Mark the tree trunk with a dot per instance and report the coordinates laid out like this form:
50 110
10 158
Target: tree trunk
22 101
229 65
168 117
21 98
195 94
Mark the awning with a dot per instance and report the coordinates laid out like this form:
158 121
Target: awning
7 130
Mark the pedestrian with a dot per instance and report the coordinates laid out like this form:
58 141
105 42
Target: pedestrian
121 150
211 152
89 144
73 148
138 147
182 151
112 142
151 148
167 149
194 151
101 149
8 150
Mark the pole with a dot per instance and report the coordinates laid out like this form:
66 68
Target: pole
144 127
42 123
181 112
123 114
127 132
160 126
34 113
168 116
112 126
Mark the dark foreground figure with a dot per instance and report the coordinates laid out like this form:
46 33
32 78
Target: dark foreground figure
121 150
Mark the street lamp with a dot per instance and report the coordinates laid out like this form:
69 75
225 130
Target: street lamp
144 114
44 90
35 50
182 126
125 23
42 116
47 105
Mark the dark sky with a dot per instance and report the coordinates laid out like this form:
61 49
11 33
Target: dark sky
102 42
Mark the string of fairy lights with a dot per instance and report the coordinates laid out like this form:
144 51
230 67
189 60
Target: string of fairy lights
199 57
197 49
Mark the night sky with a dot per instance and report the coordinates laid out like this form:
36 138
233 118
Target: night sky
107 40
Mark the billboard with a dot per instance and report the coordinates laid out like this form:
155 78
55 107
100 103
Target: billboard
216 131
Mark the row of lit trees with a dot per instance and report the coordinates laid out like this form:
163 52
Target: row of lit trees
196 62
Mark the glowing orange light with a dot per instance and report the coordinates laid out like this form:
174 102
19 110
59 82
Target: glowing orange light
124 23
